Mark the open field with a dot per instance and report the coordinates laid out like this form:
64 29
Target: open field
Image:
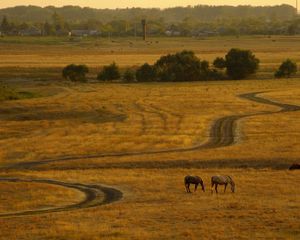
43 58
107 161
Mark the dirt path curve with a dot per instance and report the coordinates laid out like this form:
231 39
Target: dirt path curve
93 196
222 134
284 106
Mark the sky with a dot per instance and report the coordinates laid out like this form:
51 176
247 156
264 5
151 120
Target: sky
140 3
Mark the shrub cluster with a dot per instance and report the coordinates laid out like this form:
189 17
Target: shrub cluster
75 73
286 69
239 63
129 75
184 66
110 72
146 73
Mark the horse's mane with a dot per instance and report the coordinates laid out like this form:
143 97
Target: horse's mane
230 179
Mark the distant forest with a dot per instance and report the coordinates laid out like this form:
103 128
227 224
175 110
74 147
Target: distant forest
183 21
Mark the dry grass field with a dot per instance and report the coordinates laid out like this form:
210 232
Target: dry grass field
142 139
45 57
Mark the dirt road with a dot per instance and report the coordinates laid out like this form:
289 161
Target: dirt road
222 134
93 196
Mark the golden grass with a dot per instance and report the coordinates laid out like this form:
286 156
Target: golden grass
105 118
26 196
155 206
158 116
88 119
40 60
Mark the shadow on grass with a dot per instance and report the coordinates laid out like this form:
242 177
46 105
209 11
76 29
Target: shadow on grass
276 164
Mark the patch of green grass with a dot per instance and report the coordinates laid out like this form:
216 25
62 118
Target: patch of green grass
25 94
8 93
48 40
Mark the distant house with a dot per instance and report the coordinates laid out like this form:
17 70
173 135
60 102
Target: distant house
32 31
171 33
62 33
205 33
85 33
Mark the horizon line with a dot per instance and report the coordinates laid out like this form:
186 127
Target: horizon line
160 8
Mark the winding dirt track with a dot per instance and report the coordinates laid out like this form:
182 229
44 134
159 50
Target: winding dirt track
222 134
93 196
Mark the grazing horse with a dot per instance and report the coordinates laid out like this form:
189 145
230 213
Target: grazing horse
193 180
222 180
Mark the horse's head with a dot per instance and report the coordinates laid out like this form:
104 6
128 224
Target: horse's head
232 186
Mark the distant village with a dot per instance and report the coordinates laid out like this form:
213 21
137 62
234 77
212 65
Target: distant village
58 25
35 31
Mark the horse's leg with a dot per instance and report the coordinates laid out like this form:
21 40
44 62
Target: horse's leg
216 188
212 187
225 187
202 185
188 186
196 185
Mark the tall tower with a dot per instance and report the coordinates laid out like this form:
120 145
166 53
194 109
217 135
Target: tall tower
144 26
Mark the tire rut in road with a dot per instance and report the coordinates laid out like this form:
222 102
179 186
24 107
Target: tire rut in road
222 134
93 196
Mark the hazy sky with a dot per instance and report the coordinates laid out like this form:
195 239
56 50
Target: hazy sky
140 3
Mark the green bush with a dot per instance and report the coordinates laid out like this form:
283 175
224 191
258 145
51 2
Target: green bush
219 63
7 93
183 66
110 72
239 63
129 75
76 73
146 73
286 69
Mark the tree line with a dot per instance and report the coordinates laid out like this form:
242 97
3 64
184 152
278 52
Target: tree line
200 12
184 66
186 21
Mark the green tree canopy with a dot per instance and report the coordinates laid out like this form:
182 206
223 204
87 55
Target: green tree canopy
239 63
286 69
110 72
5 27
76 73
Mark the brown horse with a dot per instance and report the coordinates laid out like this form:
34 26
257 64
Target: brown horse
188 180
222 180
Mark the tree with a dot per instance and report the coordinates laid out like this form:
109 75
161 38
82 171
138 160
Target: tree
183 66
110 72
219 63
58 22
48 29
239 63
146 73
5 27
129 75
75 73
286 69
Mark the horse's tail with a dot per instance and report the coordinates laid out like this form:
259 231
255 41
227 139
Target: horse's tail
212 180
